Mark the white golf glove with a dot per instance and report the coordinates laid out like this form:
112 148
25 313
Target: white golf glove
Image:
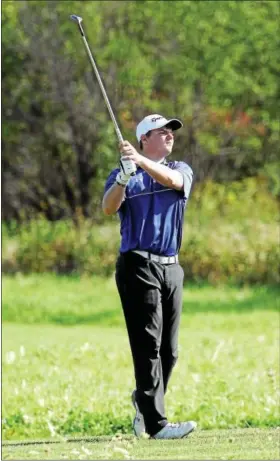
128 169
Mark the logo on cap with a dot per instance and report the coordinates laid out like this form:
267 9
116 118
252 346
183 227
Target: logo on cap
154 119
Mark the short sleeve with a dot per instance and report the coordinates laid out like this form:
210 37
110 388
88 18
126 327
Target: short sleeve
187 174
111 179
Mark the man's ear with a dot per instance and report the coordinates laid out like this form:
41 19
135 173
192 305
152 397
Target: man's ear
143 139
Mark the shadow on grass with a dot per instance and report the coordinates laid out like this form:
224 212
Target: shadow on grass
98 438
107 311
109 318
261 298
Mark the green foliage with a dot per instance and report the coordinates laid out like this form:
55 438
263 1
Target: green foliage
234 236
197 60
230 235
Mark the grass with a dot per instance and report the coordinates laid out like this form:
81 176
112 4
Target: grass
244 444
67 371
93 300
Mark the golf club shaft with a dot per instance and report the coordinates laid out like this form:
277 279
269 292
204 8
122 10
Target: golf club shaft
118 131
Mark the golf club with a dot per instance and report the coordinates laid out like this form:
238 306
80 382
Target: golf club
130 165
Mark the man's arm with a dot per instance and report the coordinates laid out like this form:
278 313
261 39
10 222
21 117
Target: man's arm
113 199
161 173
115 187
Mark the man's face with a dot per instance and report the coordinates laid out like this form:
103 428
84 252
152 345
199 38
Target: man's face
159 142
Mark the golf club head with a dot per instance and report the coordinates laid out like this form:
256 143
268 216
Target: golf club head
76 18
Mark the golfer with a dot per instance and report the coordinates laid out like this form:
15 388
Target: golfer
149 277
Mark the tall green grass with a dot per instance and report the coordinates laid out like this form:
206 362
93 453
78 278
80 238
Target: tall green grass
231 235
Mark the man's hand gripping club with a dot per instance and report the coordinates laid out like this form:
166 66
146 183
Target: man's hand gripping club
127 164
127 169
114 197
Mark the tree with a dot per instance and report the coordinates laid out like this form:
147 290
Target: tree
197 60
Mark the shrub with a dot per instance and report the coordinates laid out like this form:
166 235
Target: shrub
230 234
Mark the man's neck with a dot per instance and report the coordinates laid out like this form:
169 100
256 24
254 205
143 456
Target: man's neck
154 157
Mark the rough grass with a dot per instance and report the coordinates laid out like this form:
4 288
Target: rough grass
76 380
82 300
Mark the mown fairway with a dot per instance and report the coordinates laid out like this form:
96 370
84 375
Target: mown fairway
75 379
257 444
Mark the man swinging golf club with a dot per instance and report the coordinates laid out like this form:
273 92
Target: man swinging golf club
150 195
150 203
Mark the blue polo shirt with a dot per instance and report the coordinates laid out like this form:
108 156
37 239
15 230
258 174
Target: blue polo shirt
151 215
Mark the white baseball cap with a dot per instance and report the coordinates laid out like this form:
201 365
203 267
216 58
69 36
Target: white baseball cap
154 121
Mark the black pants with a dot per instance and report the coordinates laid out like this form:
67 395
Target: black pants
151 296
